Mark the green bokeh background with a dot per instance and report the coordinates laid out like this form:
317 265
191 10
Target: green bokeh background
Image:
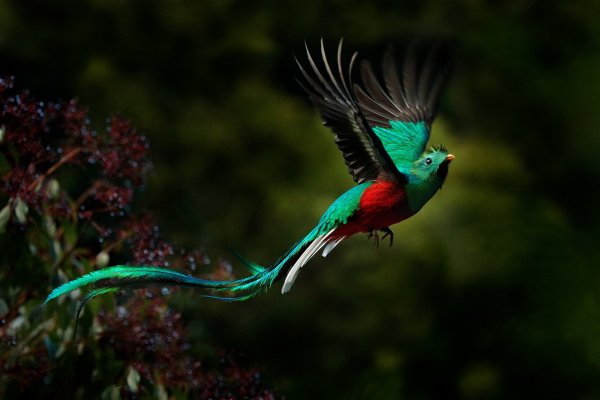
491 291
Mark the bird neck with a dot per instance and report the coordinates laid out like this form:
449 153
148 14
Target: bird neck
420 190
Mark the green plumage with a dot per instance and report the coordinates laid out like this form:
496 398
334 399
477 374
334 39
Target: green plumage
404 142
121 275
261 278
342 208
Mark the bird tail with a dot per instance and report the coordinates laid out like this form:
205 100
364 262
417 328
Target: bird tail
122 276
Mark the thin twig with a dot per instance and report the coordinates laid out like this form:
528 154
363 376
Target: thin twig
56 166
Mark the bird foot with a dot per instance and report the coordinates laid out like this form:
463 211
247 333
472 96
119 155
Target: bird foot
388 232
375 235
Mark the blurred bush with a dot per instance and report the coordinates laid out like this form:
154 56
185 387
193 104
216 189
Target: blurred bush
67 193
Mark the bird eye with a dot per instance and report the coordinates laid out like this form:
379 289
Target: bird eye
428 161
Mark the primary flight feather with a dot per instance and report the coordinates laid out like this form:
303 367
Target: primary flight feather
382 131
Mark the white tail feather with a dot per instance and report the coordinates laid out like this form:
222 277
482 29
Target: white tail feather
331 245
310 251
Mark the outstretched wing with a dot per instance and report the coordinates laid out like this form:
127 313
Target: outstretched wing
401 113
364 154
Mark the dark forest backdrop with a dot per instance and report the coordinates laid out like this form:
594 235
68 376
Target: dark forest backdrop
491 291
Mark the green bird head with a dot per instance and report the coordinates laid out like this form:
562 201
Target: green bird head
427 176
432 165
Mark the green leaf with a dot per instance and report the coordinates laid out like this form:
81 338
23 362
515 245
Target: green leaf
133 379
51 347
21 210
160 392
69 233
4 218
50 225
110 393
17 324
53 189
55 250
3 308
102 259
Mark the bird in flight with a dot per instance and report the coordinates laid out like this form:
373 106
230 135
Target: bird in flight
382 131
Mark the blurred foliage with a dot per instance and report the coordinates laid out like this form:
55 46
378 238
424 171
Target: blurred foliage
491 291
67 193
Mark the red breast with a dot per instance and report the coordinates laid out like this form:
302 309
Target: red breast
382 204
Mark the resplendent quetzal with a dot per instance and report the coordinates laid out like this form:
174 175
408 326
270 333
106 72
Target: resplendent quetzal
382 132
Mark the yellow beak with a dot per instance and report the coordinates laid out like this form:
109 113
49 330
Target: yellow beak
450 157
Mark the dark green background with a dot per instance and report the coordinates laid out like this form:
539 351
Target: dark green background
491 291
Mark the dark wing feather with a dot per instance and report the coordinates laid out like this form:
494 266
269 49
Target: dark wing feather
363 151
413 95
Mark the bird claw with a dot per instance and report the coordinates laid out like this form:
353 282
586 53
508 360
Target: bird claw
388 232
375 235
